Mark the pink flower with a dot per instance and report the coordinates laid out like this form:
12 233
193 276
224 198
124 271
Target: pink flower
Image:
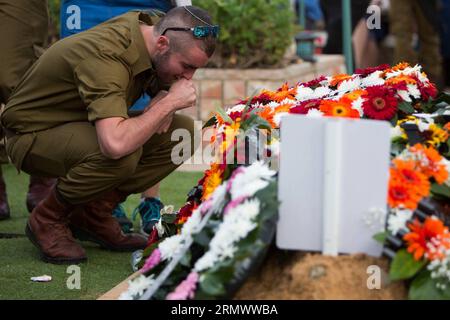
186 289
234 203
153 260
233 175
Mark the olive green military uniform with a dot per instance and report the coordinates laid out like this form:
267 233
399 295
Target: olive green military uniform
23 35
50 118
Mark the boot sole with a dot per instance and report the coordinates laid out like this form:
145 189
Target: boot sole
29 233
85 235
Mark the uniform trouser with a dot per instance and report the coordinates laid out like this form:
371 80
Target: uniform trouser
23 34
403 16
71 152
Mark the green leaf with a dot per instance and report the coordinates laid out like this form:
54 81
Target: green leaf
423 287
394 120
202 238
380 237
212 121
211 285
404 266
441 190
224 115
169 217
406 107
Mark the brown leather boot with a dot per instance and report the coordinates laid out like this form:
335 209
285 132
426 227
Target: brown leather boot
47 229
38 189
95 223
4 207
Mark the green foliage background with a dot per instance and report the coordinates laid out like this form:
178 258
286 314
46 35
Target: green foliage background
253 33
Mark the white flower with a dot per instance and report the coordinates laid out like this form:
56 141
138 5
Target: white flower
205 262
349 85
447 164
287 101
218 197
236 225
236 108
170 246
398 219
250 180
159 227
373 79
192 223
413 91
396 132
357 105
321 92
314 113
304 93
404 95
277 117
167 210
137 287
423 126
273 104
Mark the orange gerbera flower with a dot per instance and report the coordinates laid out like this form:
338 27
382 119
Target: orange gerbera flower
282 93
340 108
407 174
401 78
432 164
447 126
399 66
426 239
337 79
400 195
267 114
355 94
212 179
283 108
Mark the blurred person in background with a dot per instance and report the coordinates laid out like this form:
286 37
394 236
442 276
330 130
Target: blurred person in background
421 16
23 37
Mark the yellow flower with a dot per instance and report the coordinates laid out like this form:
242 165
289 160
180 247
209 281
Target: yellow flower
436 135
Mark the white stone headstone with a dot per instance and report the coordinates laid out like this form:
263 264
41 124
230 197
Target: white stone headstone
333 184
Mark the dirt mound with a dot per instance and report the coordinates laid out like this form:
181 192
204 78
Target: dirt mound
294 275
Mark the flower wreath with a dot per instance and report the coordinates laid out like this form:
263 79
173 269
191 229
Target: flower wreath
213 237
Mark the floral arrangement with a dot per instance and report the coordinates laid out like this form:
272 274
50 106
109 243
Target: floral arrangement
215 244
222 222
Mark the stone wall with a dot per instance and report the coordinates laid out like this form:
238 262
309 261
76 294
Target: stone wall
224 87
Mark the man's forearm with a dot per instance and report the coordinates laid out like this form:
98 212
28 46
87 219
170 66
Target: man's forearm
132 133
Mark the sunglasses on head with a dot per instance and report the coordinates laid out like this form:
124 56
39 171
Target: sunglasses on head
198 31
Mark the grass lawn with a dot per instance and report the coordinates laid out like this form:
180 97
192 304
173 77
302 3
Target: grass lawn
19 259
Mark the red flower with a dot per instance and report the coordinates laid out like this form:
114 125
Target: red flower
185 212
263 98
315 82
367 71
153 237
380 103
305 106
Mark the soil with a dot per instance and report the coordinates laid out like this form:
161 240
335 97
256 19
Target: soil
292 275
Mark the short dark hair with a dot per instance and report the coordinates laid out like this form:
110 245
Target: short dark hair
180 17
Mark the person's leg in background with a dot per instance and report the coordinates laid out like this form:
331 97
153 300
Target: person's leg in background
429 43
23 34
402 20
